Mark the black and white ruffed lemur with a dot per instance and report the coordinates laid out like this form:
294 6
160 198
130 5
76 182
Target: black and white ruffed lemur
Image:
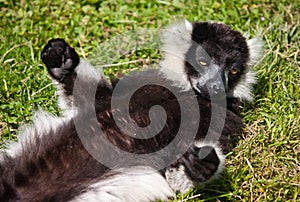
50 162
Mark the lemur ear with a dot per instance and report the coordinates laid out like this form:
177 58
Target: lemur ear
256 50
188 25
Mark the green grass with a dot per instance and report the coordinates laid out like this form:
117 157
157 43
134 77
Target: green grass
264 166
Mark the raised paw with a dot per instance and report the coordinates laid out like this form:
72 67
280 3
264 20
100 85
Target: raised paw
60 58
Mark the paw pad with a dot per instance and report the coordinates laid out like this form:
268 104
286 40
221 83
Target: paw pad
60 58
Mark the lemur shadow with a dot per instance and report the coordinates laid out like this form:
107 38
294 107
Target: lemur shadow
260 91
220 189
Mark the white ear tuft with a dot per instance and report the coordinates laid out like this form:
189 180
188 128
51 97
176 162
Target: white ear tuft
176 40
245 86
256 50
188 25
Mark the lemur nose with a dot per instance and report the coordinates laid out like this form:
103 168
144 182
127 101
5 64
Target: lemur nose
216 89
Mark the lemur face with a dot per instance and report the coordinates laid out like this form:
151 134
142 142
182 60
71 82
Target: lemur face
217 58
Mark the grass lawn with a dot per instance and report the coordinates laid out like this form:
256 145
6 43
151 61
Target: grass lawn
264 165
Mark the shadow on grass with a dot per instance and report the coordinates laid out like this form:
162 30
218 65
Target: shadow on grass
217 190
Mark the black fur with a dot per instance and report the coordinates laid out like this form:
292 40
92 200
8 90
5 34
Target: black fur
49 169
220 45
60 58
56 167
197 170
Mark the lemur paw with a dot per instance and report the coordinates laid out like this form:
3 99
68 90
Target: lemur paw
60 58
201 164
198 165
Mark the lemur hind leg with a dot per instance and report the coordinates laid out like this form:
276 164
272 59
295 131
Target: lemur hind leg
64 67
61 61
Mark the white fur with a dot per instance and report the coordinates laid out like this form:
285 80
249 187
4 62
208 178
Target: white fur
65 102
134 184
256 50
86 71
176 41
243 90
43 122
188 26
245 86
179 181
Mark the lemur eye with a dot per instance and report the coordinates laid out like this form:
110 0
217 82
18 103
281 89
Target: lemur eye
234 71
202 62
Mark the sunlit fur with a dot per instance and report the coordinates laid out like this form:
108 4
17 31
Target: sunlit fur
50 163
177 40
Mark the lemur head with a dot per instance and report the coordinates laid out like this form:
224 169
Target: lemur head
210 58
